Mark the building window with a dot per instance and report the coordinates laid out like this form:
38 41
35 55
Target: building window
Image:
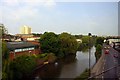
25 49
18 50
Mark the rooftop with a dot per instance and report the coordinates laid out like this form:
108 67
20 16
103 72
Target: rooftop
19 45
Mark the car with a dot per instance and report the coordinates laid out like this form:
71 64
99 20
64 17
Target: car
105 47
108 47
107 51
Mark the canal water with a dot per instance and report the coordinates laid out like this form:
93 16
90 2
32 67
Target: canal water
67 68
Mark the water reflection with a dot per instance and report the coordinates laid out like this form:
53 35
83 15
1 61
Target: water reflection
69 67
48 71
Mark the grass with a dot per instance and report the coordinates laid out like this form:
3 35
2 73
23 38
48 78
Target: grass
83 76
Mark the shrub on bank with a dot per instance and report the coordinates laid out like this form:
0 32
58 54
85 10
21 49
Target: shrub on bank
21 66
83 76
98 52
24 65
50 57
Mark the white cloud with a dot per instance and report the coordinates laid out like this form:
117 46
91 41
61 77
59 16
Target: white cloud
18 14
20 9
23 13
33 3
10 2
50 3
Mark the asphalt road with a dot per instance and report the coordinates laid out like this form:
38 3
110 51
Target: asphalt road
107 66
110 63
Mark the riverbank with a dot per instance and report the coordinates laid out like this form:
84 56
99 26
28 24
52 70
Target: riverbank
83 76
68 67
49 66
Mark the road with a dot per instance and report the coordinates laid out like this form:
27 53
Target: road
107 66
110 63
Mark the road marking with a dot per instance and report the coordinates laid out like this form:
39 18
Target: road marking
102 77
103 68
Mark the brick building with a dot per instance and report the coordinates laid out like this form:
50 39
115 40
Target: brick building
20 48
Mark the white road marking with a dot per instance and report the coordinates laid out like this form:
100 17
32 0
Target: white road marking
102 78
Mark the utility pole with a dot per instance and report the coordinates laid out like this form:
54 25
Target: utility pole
89 34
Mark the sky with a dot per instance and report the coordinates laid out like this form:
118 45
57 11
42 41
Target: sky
75 17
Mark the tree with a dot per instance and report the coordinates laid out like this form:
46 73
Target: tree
3 29
5 54
85 39
5 61
99 40
21 67
68 44
78 36
49 42
60 45
98 51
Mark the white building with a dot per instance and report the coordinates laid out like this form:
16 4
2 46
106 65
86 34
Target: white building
25 30
33 38
113 40
79 40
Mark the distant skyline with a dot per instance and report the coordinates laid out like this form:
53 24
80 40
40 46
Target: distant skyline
98 18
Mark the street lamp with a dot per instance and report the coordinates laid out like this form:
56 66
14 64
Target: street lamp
89 34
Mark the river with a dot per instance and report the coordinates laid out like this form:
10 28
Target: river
67 68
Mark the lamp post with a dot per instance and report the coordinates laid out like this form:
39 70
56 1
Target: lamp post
89 34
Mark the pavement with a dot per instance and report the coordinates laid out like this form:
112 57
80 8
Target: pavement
107 66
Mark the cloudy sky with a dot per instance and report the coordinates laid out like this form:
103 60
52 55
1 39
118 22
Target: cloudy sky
75 17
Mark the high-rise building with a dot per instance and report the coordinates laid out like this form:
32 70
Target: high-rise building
25 30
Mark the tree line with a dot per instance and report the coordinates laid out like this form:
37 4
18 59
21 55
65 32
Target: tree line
61 45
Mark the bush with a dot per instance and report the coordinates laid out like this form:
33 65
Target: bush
98 51
84 75
51 57
22 66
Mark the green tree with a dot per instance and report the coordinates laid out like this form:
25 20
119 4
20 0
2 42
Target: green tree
49 42
5 54
99 40
3 30
98 51
68 44
85 39
5 61
22 67
60 45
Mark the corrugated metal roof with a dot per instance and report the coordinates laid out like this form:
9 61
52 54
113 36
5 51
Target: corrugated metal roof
19 45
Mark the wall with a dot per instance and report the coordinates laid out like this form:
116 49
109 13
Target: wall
29 52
